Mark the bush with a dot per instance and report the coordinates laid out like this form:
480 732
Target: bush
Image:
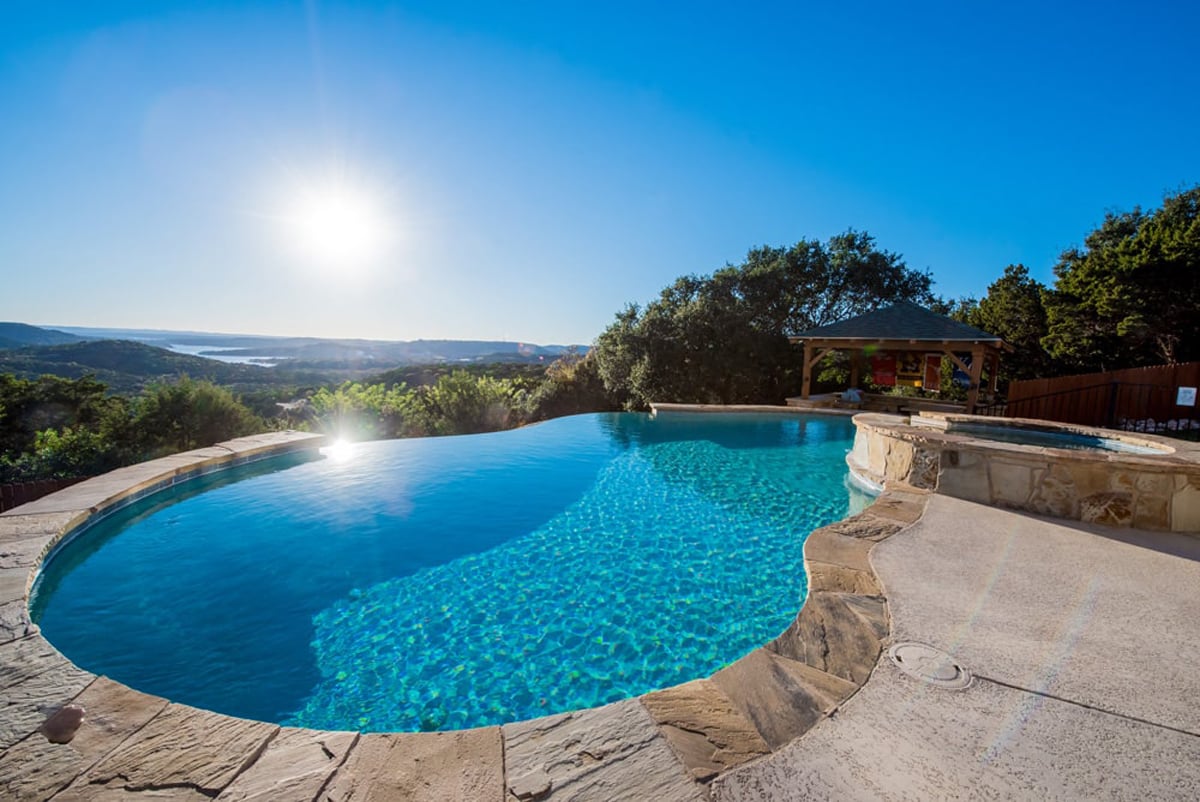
357 411
572 385
190 414
460 403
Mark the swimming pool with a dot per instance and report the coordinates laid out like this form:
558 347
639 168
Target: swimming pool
453 582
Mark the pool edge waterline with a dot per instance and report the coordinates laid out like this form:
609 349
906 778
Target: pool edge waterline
842 590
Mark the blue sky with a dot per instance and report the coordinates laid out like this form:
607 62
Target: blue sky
529 168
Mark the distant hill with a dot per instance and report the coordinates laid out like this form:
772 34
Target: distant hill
17 335
332 354
327 353
124 365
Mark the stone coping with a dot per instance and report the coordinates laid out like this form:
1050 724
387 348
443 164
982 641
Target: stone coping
1174 454
1147 491
666 745
960 424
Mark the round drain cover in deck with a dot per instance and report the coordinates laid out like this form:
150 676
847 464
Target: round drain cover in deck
929 665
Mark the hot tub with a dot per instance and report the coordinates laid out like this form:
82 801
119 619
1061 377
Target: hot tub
1066 471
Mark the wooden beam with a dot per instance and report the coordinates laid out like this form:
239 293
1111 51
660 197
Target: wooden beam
819 356
806 383
976 375
855 366
961 365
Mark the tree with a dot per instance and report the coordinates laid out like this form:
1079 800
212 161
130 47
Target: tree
1131 295
1014 310
191 414
364 411
49 402
723 338
572 385
71 453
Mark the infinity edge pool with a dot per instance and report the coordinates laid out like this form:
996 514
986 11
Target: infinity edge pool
754 706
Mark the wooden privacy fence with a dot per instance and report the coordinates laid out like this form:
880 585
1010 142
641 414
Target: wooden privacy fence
1134 399
14 495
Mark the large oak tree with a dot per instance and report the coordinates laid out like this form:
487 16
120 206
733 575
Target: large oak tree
723 338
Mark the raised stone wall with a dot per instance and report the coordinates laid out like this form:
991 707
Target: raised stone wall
1146 491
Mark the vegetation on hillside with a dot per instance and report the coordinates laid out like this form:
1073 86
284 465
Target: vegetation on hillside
56 427
18 335
123 365
53 427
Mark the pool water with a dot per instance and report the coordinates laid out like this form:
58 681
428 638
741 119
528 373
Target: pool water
443 583
1073 441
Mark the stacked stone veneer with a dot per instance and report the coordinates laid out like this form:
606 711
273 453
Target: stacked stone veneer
667 745
1147 491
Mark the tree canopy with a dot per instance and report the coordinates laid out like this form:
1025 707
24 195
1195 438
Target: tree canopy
1131 295
1014 310
723 338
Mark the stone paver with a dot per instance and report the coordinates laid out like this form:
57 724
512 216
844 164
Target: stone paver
463 766
16 524
14 620
103 491
35 680
704 728
193 754
784 698
25 705
612 753
838 633
26 659
296 765
93 494
34 769
14 584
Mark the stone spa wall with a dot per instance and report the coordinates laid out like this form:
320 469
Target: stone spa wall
1147 491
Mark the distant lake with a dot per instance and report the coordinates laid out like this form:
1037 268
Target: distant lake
220 356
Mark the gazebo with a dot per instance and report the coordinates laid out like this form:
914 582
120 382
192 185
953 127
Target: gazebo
906 344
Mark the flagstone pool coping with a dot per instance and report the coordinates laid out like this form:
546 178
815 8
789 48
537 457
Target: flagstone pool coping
667 745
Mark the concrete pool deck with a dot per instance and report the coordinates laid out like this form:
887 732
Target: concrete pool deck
1084 643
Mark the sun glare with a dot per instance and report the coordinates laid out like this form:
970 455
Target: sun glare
337 223
339 450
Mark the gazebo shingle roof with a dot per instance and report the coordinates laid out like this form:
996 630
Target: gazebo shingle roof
900 321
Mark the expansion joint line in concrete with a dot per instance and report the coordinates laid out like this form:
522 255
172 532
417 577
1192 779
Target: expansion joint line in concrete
1086 706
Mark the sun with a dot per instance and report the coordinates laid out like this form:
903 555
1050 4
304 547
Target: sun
337 222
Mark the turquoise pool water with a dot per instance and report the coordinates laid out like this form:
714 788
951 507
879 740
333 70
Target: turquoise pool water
1052 438
454 582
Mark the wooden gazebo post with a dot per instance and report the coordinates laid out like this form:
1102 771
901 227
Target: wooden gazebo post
812 355
806 384
976 378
